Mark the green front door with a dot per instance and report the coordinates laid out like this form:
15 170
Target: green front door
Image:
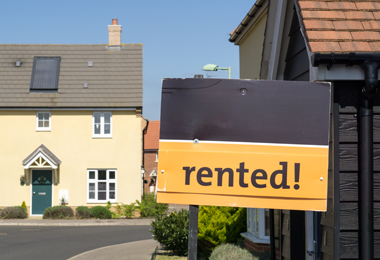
41 190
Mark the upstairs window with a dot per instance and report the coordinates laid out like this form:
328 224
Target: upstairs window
43 121
102 124
45 73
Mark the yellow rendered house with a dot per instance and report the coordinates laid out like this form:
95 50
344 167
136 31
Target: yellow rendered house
71 124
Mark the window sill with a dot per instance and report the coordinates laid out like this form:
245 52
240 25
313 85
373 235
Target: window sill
43 130
101 202
102 137
254 239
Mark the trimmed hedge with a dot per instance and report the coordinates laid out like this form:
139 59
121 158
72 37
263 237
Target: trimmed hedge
219 225
58 212
172 231
13 212
230 251
101 212
82 212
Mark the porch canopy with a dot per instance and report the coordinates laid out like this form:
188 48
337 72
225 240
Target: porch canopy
41 158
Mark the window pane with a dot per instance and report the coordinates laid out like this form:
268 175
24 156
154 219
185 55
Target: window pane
40 116
107 129
102 195
46 116
97 118
112 175
102 175
40 123
107 118
102 186
112 186
91 175
46 123
92 195
112 195
91 186
97 129
267 221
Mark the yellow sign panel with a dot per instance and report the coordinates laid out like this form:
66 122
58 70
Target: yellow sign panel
243 175
244 143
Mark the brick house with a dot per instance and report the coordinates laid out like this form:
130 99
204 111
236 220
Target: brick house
151 140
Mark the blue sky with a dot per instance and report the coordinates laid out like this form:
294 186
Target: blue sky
179 37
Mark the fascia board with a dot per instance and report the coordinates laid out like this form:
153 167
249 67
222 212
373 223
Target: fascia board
38 155
251 23
340 72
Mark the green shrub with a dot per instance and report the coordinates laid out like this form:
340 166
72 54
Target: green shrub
150 208
101 212
172 231
108 205
23 204
127 210
13 212
58 212
218 225
231 251
82 212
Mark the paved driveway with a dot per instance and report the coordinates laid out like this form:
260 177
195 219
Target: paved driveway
36 242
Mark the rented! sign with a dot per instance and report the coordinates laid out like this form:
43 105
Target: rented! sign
244 143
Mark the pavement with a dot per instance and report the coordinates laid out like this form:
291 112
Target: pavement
33 221
137 250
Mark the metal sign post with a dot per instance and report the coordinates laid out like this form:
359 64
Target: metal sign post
193 232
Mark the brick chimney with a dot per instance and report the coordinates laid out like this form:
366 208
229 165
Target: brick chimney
114 32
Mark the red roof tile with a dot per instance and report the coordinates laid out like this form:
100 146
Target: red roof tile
342 26
152 137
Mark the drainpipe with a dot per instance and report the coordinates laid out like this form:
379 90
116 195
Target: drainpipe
370 63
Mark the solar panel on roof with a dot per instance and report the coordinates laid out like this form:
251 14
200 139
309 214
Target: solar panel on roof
45 73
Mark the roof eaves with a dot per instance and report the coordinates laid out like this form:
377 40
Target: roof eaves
244 23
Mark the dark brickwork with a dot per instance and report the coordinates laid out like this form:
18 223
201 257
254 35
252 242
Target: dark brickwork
256 247
149 164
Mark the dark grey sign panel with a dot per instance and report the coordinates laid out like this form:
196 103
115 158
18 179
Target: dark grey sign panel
282 112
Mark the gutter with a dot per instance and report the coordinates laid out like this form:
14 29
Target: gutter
246 20
370 63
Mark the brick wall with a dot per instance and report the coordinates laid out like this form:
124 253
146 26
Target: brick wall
149 164
255 247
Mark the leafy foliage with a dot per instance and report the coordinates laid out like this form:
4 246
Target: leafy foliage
150 208
172 231
231 251
23 204
13 212
218 225
108 205
101 212
82 212
58 212
127 210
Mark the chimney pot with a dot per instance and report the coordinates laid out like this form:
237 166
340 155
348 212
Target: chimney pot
114 33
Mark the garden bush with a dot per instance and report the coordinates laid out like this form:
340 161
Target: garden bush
172 231
23 204
13 212
218 225
58 212
231 251
82 212
150 208
127 210
101 212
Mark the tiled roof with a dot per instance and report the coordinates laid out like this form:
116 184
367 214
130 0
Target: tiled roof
152 136
341 26
114 80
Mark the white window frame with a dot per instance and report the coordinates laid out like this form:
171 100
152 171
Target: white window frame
43 129
256 227
96 181
101 135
